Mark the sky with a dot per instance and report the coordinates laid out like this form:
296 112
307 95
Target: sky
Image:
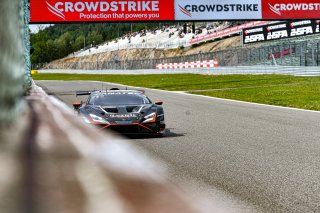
35 27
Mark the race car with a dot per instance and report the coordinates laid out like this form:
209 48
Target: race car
124 111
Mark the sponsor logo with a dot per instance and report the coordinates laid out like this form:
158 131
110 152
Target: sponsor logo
302 31
184 11
204 8
131 115
280 8
277 34
55 11
300 23
254 38
102 6
260 29
275 27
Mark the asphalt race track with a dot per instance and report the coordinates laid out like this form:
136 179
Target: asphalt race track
268 157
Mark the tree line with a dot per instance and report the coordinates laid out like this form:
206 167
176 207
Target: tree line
60 40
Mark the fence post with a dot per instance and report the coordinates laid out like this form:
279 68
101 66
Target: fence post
281 51
313 58
290 49
317 53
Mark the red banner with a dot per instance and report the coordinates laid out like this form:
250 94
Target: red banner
49 11
293 9
226 32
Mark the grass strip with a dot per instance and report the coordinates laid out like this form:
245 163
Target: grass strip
281 90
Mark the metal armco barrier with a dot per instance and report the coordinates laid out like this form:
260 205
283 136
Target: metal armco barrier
286 70
187 65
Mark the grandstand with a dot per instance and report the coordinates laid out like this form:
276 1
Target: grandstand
164 38
299 51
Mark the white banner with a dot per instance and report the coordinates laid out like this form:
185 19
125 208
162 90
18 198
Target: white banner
217 9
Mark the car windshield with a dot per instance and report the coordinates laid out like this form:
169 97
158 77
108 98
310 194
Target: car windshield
118 99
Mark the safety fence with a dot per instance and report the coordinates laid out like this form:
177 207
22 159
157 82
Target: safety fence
264 69
287 53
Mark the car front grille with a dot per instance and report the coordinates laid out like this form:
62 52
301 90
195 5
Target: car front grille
129 129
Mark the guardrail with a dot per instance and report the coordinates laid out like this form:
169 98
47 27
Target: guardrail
287 70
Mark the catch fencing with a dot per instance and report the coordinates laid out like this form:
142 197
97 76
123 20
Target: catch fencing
265 69
284 53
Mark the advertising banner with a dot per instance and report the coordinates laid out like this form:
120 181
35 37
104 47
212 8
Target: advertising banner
226 32
50 11
292 9
217 10
280 30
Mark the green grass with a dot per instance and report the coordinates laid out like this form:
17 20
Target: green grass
305 96
282 90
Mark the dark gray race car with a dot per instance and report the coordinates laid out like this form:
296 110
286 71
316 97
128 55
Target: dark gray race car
124 111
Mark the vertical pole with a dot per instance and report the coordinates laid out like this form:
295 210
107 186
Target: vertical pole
117 59
318 54
84 38
241 38
313 58
281 51
300 55
290 49
146 38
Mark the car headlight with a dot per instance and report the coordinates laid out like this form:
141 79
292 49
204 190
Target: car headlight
86 119
97 119
150 118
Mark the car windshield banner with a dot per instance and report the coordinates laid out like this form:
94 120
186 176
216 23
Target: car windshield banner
292 9
218 10
48 11
280 31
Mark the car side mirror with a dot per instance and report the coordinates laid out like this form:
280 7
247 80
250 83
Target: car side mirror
158 102
76 105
